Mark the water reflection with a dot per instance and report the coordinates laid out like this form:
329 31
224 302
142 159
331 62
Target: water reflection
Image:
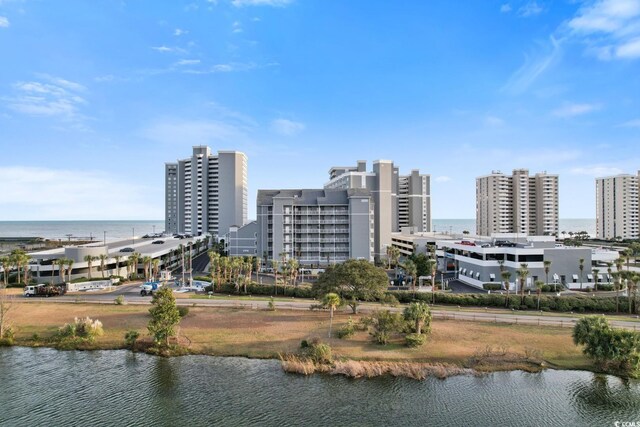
603 394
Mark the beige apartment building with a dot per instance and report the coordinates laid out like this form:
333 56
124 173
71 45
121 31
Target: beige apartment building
617 208
520 203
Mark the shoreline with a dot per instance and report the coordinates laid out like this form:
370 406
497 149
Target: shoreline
454 346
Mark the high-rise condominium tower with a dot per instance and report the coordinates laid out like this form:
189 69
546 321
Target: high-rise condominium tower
617 210
206 193
517 204
398 201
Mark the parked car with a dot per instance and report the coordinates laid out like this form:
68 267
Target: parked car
127 250
157 242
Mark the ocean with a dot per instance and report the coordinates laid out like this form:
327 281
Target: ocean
125 229
457 226
80 230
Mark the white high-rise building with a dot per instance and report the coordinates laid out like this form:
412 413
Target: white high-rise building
517 204
206 193
617 207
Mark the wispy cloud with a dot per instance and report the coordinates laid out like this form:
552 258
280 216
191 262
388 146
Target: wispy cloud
30 193
4 22
167 49
572 110
179 32
274 3
505 8
52 97
531 8
631 124
188 62
237 27
609 28
596 171
493 121
287 127
534 66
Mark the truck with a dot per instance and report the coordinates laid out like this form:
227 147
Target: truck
43 290
148 288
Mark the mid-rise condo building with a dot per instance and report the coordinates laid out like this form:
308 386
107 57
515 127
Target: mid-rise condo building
617 207
398 200
206 193
316 227
519 203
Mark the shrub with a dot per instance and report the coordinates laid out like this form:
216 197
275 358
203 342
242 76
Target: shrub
389 299
271 304
203 278
84 328
383 324
347 330
183 311
316 351
131 338
415 340
119 300
492 286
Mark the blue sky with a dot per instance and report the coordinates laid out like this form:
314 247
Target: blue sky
96 96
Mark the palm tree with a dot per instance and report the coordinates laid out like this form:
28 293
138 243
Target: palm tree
69 268
332 301
117 258
412 271
62 263
156 266
89 260
213 263
581 267
146 265
4 262
609 270
274 264
432 268
135 257
419 313
292 267
501 265
523 273
547 269
103 259
395 255
539 284
627 255
595 273
506 278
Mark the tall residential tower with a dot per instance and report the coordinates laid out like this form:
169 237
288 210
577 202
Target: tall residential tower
517 204
617 211
206 193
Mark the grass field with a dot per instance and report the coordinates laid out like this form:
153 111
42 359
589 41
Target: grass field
266 334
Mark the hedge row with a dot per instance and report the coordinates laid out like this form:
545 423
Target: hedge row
577 304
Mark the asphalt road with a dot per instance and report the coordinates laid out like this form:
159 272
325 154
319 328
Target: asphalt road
131 292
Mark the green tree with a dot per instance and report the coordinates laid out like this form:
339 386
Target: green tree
581 267
103 258
419 314
547 270
275 266
117 258
411 270
89 260
506 278
539 284
523 273
595 273
355 280
69 268
6 265
432 268
165 316
383 324
393 254
331 300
